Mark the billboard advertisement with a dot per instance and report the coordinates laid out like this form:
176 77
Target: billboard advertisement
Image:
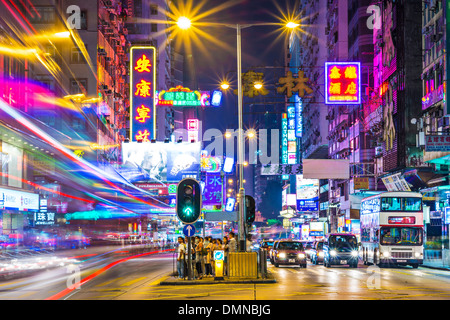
160 161
307 194
326 169
142 93
183 97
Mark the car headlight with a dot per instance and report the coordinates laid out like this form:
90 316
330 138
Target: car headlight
282 255
321 254
354 253
301 256
333 253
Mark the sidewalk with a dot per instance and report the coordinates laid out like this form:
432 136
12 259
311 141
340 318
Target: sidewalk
173 280
435 265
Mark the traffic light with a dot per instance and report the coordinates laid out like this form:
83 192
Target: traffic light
189 200
250 209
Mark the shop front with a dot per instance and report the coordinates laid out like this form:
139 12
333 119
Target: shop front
436 214
16 207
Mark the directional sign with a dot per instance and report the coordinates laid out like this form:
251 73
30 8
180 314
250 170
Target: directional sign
189 230
218 255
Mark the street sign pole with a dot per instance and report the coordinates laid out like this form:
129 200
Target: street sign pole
189 271
189 231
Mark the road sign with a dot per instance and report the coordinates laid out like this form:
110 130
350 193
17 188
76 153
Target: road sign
218 254
189 230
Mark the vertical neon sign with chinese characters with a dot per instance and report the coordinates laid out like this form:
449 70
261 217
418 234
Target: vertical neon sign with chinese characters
284 142
142 93
342 83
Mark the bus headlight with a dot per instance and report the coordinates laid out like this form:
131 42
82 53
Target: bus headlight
333 253
386 254
417 254
321 254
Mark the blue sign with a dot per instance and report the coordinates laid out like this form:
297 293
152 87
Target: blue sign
219 255
229 207
308 204
298 118
447 216
216 98
189 230
213 190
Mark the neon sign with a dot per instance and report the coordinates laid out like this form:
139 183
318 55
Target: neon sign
183 97
142 93
342 83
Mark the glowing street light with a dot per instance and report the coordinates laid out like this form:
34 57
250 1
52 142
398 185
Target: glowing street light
184 23
292 25
225 86
258 85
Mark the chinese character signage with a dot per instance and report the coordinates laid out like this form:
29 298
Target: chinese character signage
281 169
284 142
213 191
298 117
183 97
142 93
44 218
342 83
437 143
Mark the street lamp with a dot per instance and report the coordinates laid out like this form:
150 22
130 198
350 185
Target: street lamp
184 23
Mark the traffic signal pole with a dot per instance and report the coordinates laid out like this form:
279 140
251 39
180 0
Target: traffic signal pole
241 235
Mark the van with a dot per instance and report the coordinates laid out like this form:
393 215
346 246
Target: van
340 249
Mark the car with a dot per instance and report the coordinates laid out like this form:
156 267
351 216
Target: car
340 249
308 246
288 252
317 252
271 250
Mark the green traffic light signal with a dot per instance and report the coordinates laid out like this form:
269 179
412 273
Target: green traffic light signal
189 199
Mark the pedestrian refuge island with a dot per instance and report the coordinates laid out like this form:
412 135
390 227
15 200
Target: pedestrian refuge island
247 264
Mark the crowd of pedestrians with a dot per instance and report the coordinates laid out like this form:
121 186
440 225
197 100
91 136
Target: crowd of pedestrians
202 254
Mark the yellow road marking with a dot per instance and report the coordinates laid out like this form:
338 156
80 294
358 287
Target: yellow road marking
107 282
131 282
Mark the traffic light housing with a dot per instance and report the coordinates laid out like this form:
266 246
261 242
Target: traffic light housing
189 200
250 209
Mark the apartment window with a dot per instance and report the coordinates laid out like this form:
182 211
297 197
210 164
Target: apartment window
78 86
154 27
153 9
46 15
76 56
83 20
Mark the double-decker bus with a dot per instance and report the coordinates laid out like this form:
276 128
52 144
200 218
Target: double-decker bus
392 229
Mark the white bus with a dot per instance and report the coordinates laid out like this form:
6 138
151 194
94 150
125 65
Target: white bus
392 229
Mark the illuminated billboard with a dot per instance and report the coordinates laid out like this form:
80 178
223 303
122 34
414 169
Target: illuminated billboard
307 191
160 161
342 83
183 97
142 93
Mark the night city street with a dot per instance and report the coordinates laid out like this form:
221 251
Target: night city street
225 159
